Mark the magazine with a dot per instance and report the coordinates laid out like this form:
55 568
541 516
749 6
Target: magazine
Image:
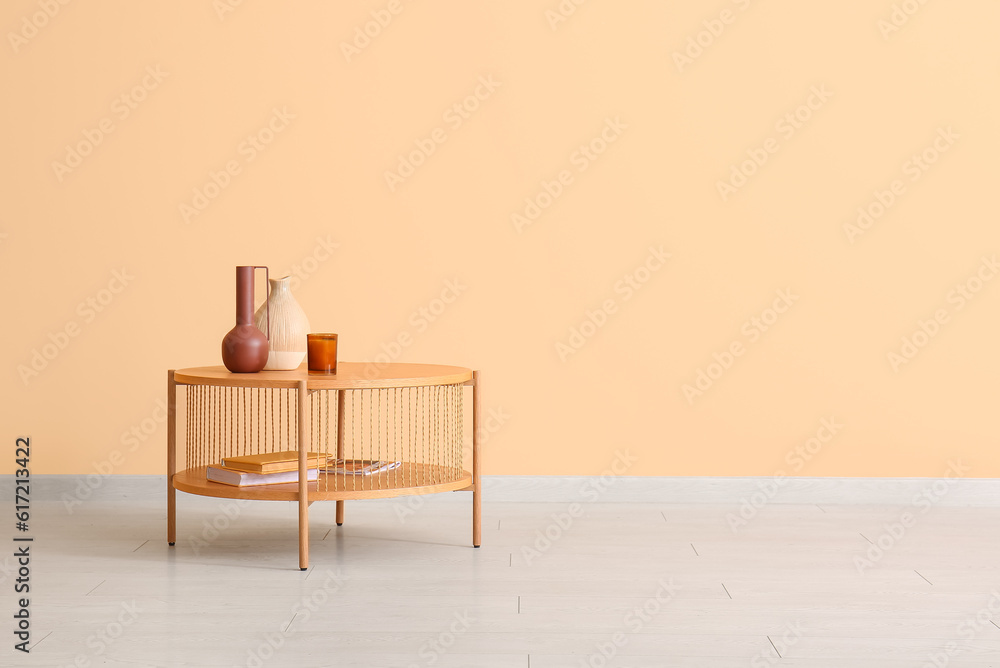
360 466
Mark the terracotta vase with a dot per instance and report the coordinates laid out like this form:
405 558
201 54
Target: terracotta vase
244 349
289 326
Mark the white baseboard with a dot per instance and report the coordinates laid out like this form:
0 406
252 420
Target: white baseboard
620 489
730 491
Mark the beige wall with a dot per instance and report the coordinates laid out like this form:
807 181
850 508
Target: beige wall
839 103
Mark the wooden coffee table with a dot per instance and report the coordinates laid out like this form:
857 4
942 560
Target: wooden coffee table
407 413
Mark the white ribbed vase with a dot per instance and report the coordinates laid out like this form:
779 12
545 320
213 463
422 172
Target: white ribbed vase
289 326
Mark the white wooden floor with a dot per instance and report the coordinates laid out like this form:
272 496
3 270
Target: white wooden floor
644 584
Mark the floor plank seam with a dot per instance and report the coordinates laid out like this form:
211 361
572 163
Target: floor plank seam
39 642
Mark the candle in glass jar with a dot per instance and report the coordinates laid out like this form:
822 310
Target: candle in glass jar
322 353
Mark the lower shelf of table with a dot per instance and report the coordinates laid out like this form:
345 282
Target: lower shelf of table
408 479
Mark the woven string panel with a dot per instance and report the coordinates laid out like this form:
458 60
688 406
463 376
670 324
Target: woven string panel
421 428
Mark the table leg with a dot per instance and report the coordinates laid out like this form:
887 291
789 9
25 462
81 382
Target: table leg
171 457
304 445
341 426
477 515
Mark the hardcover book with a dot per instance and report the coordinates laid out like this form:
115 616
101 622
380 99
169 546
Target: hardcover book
271 462
245 479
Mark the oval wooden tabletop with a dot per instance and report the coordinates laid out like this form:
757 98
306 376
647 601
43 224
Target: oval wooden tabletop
349 376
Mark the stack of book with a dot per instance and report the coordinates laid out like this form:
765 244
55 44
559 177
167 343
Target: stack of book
268 468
